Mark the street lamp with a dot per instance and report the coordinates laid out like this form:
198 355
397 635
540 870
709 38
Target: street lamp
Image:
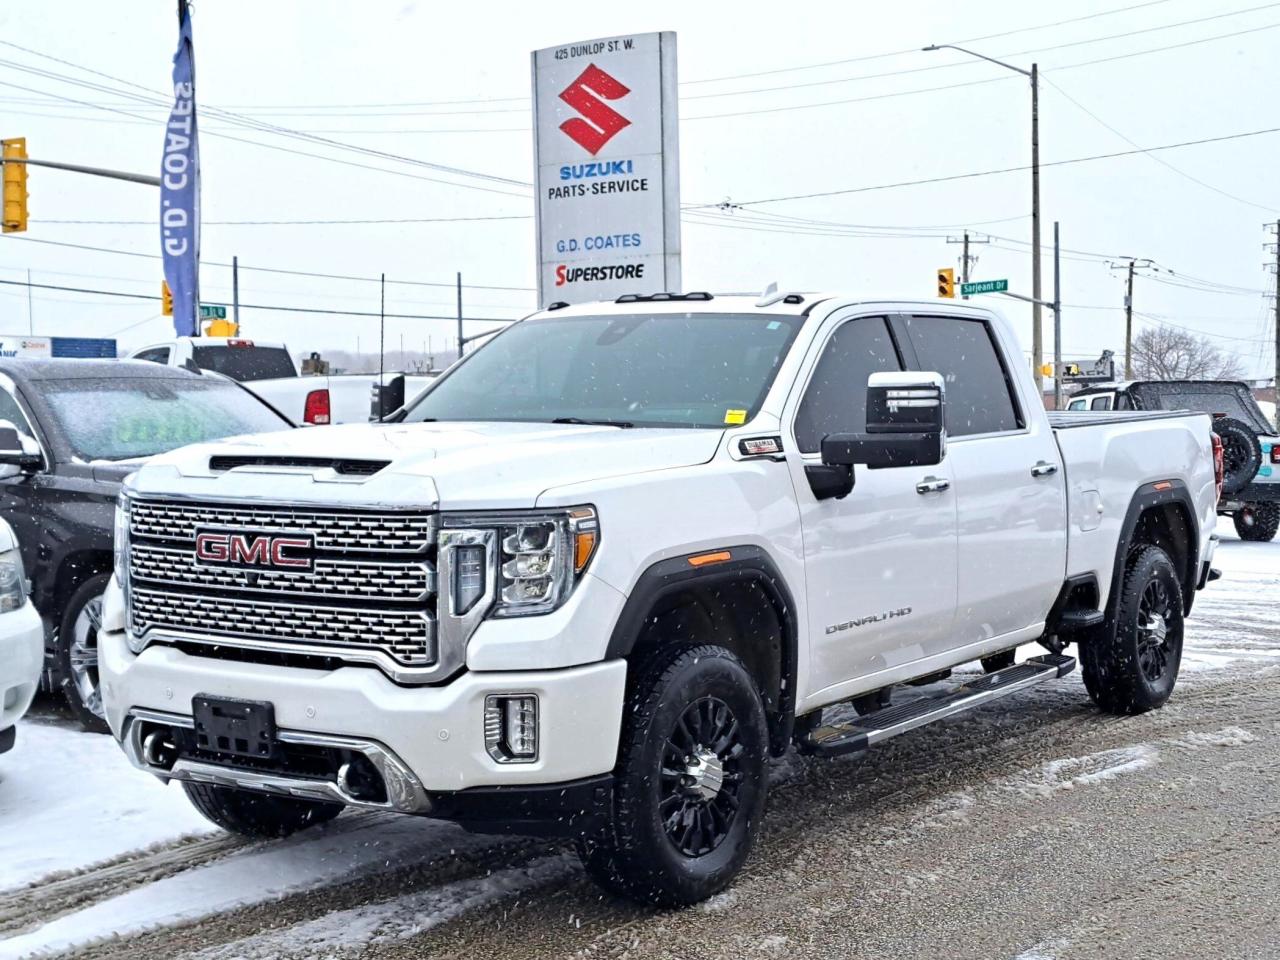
1037 339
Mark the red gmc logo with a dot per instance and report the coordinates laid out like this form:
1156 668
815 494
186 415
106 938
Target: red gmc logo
223 548
587 95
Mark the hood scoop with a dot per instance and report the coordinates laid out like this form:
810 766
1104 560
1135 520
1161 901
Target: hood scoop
344 466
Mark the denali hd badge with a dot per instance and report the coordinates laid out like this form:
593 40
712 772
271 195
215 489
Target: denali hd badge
228 548
870 618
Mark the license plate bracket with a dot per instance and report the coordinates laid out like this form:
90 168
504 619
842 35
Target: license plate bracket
240 728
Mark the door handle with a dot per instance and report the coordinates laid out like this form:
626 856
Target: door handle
933 485
1044 469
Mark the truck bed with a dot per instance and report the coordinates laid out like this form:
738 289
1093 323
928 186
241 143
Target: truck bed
1067 419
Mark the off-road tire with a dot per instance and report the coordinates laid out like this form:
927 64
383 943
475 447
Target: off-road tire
1124 671
1241 453
633 855
1257 521
257 815
87 710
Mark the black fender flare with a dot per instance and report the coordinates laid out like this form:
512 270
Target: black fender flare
1156 494
745 563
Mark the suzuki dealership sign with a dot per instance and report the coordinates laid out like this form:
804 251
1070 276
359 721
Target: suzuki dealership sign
608 179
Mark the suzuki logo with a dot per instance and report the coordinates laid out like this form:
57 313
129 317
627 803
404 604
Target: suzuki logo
587 95
221 548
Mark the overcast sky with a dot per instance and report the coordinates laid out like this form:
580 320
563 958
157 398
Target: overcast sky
388 76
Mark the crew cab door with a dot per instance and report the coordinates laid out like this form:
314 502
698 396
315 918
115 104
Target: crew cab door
1007 476
880 564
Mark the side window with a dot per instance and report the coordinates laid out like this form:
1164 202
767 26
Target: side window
1100 403
836 398
9 410
1123 402
979 392
1076 405
155 355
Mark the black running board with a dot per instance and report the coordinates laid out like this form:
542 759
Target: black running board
858 735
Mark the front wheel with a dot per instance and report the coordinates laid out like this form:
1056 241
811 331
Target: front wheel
1257 521
1130 664
690 782
76 650
257 815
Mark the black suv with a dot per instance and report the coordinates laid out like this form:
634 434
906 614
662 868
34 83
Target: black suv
82 426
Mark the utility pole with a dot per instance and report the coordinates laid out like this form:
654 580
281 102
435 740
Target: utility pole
1057 323
235 292
31 321
1037 334
1277 317
967 261
1128 325
461 341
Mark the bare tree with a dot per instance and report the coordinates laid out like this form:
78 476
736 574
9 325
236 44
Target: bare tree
1167 353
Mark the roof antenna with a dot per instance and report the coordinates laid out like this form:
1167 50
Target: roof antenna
770 295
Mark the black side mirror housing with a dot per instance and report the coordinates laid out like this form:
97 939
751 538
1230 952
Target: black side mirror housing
17 449
906 424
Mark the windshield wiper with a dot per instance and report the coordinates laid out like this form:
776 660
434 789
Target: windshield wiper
624 424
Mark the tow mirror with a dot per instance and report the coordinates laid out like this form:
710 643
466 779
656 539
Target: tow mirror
17 449
905 424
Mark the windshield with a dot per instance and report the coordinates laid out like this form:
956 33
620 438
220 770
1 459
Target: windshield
120 419
246 362
668 370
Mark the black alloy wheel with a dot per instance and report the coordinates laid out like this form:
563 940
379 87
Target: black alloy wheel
700 777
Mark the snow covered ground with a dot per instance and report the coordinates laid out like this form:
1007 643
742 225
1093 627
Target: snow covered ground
69 800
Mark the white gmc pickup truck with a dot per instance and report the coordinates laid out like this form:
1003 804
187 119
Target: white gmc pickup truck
624 553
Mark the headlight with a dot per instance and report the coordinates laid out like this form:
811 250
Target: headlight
539 558
13 581
120 539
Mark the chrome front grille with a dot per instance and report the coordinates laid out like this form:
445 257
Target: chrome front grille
345 579
347 531
406 635
369 597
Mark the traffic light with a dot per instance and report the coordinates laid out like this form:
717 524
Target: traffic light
166 299
15 184
947 282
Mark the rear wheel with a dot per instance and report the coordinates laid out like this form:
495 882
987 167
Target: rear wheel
1257 521
76 651
1130 665
257 815
690 782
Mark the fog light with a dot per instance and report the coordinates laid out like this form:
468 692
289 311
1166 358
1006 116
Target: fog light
511 728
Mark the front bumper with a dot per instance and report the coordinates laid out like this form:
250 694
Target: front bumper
21 660
424 740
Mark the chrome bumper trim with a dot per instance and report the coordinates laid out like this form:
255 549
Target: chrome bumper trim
405 793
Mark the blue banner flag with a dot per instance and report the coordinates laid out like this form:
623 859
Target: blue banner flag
180 188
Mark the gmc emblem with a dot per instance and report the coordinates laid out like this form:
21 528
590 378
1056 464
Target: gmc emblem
223 548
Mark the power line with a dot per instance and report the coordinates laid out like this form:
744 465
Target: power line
985 173
904 93
259 306
277 270
279 223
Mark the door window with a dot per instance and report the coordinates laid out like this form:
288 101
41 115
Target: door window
980 397
154 355
1100 403
836 399
1076 405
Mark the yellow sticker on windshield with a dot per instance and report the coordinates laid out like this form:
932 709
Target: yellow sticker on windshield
734 417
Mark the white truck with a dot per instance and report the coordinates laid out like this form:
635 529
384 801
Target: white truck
267 370
21 637
623 554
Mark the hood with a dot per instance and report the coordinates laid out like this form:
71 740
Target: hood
457 466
